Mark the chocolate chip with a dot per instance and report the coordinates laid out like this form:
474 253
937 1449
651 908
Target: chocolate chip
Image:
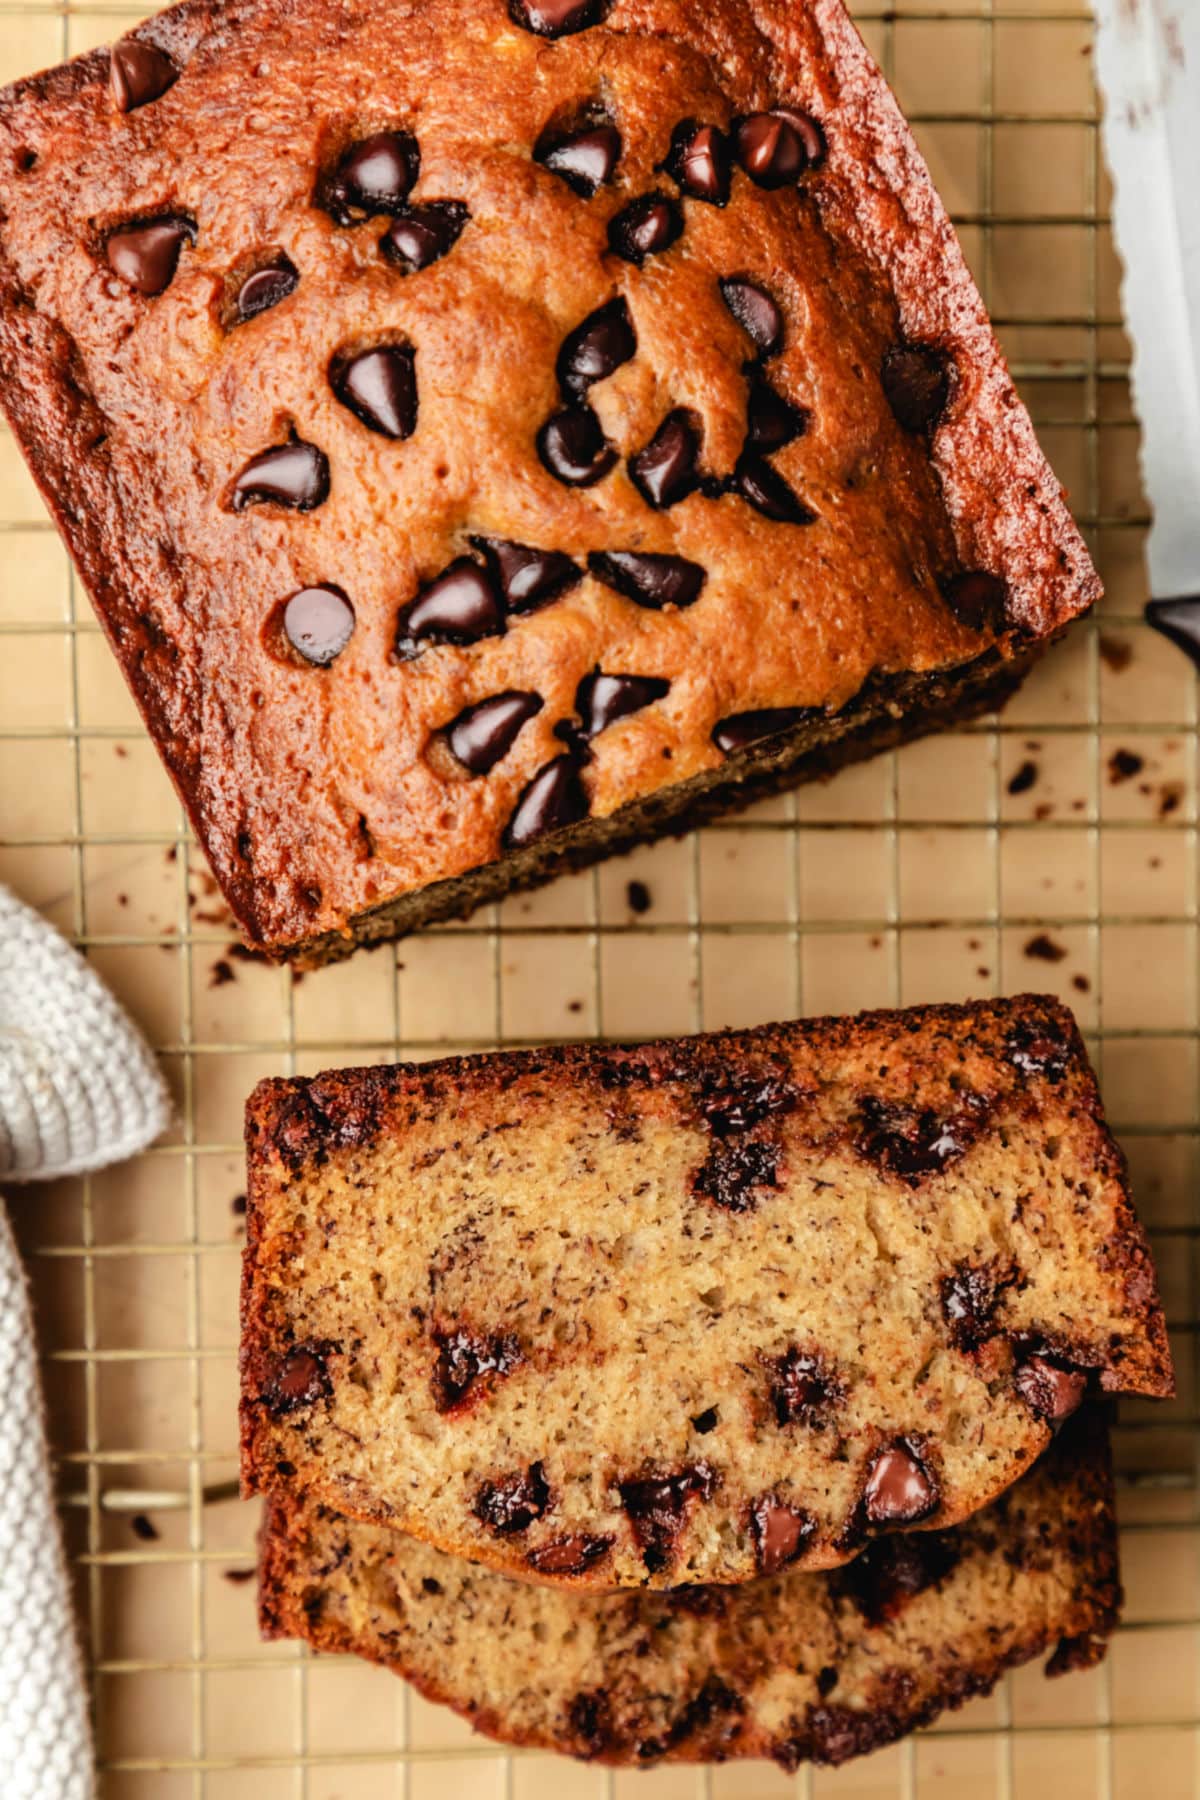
899 1488
594 349
706 1421
459 606
739 1105
528 578
569 1555
657 1506
970 1297
584 159
600 700
734 1175
430 1586
554 799
977 599
740 730
1039 1050
300 1379
911 1144
146 256
589 1717
319 623
781 1533
469 1362
892 1570
482 734
666 470
647 226
773 152
295 475
574 448
771 421
512 1504
1050 1387
419 235
653 581
755 311
138 73
265 287
374 176
557 18
827 1677
699 160
803 1388
380 388
768 493
917 380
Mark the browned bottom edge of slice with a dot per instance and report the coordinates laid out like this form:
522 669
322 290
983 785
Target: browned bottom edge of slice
800 1667
889 712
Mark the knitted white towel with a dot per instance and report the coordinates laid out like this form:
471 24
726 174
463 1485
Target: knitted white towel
78 1089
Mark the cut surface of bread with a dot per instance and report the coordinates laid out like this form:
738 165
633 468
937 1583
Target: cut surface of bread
818 1667
691 1311
495 432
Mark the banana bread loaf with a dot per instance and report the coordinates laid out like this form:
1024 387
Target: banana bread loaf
795 1667
693 1311
494 432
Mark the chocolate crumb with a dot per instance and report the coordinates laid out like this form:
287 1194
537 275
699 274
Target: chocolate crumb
1123 765
638 897
1023 780
239 1576
1081 984
1044 949
1115 652
144 1528
238 1204
221 974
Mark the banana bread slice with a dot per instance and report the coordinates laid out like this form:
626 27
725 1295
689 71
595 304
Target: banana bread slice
693 1311
797 1667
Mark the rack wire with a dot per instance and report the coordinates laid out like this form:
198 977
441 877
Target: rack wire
1055 848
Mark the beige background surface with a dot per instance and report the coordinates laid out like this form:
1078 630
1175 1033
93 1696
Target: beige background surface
918 877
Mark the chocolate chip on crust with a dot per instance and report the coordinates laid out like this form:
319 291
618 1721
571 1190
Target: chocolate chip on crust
918 381
1050 1387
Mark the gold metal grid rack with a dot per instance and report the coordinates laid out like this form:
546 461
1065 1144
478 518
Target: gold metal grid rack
1055 849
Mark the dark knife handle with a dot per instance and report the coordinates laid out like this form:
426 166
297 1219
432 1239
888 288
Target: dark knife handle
1178 620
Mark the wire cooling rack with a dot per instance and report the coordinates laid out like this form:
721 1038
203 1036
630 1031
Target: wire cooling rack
1056 850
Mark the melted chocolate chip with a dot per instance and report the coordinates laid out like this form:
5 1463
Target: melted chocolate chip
319 623
780 1532
420 235
374 176
911 1144
1050 1387
557 18
569 1555
1039 1050
555 798
666 472
295 475
969 1300
528 578
917 380
459 607
600 700
584 159
594 349
899 1489
574 448
653 581
735 1174
469 1363
768 493
803 1389
380 388
699 160
482 734
771 421
265 287
892 1570
647 226
740 730
657 1506
146 256
714 1698
740 1105
773 152
589 1717
138 73
300 1379
511 1505
977 599
756 313
1179 622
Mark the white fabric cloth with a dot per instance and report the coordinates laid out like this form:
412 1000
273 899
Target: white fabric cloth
78 1089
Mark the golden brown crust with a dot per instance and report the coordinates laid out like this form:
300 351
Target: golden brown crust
355 1164
798 1667
314 790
